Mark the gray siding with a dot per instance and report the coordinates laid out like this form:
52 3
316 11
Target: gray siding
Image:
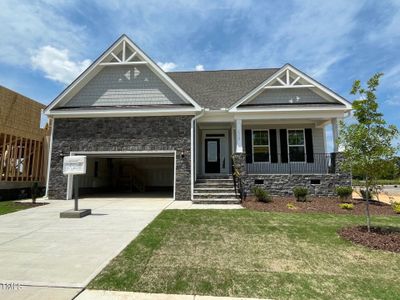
284 96
125 85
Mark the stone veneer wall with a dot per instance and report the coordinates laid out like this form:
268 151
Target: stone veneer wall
282 184
121 134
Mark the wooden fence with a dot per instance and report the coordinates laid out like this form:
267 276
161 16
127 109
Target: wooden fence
21 159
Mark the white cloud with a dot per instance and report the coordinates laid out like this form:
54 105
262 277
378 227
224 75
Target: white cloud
391 77
199 68
57 64
387 32
300 35
394 101
167 66
28 25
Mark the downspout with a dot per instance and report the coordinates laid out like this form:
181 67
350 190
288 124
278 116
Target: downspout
51 124
192 154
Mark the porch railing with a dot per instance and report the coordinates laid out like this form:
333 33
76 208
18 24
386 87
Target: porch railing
322 163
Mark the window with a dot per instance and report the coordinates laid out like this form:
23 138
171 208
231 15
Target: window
212 151
296 144
260 146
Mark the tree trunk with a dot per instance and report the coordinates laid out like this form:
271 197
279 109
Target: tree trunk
367 206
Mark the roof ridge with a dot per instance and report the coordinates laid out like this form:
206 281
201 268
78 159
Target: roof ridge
225 70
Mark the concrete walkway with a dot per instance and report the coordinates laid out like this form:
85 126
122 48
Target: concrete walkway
53 258
113 295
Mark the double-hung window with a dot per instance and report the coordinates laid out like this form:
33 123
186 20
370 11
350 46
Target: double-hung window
260 146
296 145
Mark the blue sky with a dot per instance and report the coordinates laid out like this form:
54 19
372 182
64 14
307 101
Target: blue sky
46 44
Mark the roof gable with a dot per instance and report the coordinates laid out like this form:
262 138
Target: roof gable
129 62
125 86
290 78
298 96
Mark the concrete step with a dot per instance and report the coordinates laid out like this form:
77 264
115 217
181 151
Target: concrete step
215 177
221 180
216 201
213 195
214 185
208 189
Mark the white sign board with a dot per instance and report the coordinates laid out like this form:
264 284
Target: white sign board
74 165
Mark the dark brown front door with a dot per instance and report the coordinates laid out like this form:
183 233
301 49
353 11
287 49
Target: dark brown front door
212 156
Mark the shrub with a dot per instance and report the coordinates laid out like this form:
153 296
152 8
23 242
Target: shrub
291 206
300 193
396 207
344 192
261 194
347 206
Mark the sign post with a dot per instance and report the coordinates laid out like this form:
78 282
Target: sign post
75 166
76 191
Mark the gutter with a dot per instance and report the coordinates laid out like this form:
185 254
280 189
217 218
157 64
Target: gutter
192 143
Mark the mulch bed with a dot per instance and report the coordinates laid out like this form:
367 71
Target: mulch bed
380 238
318 204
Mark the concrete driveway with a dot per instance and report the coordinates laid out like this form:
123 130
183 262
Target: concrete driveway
38 249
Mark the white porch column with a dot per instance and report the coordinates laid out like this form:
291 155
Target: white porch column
239 140
335 134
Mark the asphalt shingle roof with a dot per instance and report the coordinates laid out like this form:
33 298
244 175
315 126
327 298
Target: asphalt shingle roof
220 89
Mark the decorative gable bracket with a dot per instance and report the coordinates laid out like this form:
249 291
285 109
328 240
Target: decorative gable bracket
123 55
288 80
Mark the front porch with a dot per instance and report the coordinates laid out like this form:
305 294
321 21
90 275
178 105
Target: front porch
274 154
270 147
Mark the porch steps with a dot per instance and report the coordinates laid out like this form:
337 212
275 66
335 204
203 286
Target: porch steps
215 190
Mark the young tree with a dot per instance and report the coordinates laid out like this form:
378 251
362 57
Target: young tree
367 143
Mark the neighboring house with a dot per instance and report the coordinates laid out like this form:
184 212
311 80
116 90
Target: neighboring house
144 129
23 144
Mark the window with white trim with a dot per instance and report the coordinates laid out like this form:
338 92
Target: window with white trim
260 145
296 145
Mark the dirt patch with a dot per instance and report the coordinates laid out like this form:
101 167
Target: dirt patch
381 238
318 204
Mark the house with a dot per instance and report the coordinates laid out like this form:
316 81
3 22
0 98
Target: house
23 144
147 130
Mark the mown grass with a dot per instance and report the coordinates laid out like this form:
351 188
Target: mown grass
379 182
253 254
7 207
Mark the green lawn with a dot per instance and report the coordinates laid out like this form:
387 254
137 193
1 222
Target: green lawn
380 182
253 254
7 207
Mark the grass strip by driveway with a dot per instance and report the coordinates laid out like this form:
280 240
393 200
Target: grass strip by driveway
246 253
7 207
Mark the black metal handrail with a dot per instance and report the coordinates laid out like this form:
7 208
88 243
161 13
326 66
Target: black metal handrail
319 163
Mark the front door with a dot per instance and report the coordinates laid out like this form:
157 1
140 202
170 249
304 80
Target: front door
212 151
